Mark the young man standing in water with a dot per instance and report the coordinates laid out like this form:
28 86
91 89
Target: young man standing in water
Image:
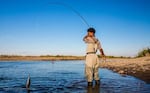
92 61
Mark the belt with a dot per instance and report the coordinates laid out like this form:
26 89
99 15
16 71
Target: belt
91 53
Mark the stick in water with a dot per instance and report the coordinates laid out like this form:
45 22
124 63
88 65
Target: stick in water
28 82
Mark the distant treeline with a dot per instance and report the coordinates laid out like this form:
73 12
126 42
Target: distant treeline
114 56
38 56
10 56
57 56
42 57
144 52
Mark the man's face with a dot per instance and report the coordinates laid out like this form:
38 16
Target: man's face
91 34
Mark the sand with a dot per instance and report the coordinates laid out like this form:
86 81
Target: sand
138 67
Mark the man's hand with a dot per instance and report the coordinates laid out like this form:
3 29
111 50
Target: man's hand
101 50
103 55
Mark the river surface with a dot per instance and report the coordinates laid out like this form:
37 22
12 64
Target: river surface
63 77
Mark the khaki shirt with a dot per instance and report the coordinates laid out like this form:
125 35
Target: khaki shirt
93 44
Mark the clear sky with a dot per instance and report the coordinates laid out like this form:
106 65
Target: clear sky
39 27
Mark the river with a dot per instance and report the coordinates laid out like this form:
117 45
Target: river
63 77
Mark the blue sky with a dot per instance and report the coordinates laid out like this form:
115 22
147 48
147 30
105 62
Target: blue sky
38 27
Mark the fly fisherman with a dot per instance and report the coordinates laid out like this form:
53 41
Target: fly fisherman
92 61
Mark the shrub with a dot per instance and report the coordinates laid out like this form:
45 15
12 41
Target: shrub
144 52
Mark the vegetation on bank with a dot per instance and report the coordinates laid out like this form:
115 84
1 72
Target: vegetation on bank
37 56
49 57
42 57
114 56
144 52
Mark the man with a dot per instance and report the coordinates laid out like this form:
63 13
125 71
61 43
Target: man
92 61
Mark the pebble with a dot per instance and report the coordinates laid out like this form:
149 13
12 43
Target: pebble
121 72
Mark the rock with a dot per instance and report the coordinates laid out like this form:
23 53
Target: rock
121 72
114 70
133 72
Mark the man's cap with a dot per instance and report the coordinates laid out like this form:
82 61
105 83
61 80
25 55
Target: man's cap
91 30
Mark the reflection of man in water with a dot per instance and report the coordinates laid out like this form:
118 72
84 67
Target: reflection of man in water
95 89
92 61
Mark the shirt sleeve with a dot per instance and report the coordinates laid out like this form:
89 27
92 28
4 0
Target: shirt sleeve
87 39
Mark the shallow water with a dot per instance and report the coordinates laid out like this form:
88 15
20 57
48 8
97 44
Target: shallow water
63 77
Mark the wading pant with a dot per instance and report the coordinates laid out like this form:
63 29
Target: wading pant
91 67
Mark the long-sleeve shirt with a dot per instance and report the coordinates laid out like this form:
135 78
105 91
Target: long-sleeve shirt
93 44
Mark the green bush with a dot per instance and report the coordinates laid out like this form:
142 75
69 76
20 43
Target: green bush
144 52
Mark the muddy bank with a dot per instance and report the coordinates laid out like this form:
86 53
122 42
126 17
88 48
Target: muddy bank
138 67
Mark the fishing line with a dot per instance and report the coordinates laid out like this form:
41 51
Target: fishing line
72 9
77 13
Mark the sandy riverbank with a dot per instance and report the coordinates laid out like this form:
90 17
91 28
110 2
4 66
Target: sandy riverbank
138 67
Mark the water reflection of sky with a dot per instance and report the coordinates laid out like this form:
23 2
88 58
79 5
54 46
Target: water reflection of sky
63 76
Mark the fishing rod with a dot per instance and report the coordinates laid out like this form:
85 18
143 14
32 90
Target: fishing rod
76 12
72 9
28 82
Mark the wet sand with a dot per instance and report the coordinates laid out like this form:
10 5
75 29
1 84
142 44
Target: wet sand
138 67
